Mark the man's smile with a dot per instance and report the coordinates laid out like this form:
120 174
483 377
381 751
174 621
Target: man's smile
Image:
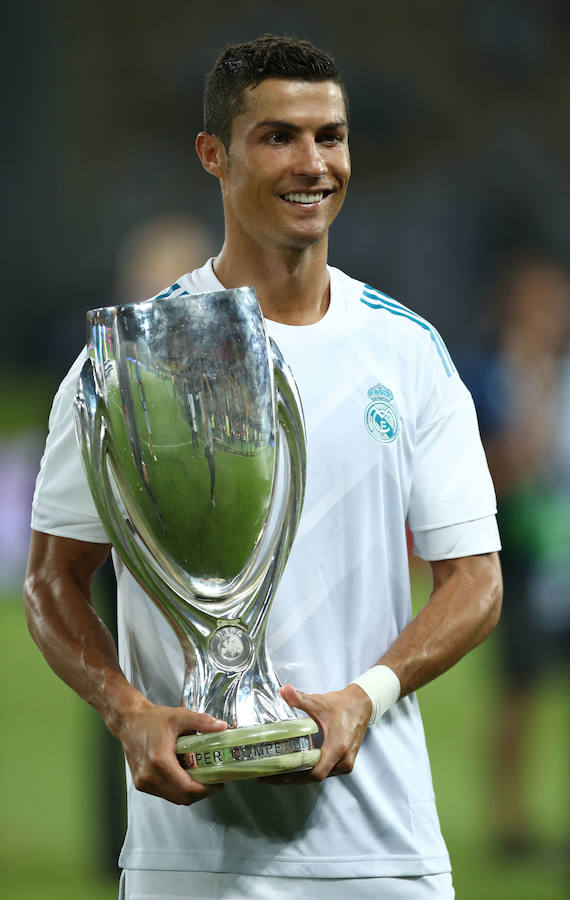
305 197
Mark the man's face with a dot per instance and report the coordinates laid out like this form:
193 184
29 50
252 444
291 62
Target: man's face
288 163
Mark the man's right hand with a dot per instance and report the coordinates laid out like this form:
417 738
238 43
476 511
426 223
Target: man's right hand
148 734
80 649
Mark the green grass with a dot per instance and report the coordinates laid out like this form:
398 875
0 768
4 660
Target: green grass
25 400
52 838
458 710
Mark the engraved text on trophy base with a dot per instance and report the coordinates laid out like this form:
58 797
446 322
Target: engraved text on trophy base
243 753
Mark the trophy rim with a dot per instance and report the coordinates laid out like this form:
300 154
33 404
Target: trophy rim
137 304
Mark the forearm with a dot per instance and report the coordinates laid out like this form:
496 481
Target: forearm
73 639
463 609
80 649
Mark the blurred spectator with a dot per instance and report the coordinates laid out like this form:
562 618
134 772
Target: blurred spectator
158 251
521 388
19 459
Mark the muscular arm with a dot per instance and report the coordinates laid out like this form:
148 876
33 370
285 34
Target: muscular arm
462 610
80 649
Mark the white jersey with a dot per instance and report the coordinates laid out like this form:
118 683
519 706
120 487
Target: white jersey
392 437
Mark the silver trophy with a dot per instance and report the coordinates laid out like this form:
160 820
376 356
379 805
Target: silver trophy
192 436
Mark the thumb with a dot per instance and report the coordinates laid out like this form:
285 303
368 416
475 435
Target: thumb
312 704
296 698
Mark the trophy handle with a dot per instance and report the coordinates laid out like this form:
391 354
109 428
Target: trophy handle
291 419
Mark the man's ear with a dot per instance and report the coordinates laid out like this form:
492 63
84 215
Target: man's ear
212 153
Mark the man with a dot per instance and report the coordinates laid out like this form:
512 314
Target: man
392 436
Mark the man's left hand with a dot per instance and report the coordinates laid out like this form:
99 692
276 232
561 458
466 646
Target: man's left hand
343 719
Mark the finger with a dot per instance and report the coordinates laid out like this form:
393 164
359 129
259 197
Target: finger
193 791
336 759
331 756
193 721
165 778
184 795
343 767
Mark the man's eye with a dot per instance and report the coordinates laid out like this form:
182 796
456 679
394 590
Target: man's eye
277 137
332 138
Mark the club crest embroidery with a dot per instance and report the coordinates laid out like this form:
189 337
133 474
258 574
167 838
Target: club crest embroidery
380 417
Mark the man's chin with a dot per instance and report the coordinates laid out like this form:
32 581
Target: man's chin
304 240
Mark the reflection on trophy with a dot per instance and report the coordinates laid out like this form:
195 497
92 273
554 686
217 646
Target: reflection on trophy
192 436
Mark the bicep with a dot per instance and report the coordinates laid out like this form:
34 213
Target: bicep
53 559
475 580
60 615
485 566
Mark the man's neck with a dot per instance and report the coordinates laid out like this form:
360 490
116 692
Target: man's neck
292 287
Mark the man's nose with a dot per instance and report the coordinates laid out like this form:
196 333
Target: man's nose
309 160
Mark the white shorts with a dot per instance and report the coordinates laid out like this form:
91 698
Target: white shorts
139 884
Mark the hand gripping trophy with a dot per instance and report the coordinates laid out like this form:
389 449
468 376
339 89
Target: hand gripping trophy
192 436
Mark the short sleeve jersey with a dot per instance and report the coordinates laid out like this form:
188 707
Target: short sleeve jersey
392 438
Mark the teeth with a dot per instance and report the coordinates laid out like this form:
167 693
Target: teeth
304 198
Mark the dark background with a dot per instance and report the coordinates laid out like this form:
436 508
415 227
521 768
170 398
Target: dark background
459 137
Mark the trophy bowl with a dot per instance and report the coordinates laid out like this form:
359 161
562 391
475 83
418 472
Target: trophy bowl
191 432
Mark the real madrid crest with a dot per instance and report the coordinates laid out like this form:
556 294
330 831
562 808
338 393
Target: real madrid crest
380 417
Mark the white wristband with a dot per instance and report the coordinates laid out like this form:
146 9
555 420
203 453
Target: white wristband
382 686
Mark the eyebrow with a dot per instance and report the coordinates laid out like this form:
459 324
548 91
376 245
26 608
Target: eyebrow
289 126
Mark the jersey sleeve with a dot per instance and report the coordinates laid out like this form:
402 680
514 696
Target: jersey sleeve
62 503
452 500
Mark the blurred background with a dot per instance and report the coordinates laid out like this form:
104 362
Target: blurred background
458 206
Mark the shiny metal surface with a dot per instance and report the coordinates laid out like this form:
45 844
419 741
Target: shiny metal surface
191 432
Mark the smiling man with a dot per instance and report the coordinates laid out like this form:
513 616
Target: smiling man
392 437
283 169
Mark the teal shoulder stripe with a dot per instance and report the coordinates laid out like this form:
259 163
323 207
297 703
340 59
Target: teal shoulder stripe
396 305
376 300
168 292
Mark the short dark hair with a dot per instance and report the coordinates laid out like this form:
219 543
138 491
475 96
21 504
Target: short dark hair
246 65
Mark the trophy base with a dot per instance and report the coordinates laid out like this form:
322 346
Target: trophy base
253 751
